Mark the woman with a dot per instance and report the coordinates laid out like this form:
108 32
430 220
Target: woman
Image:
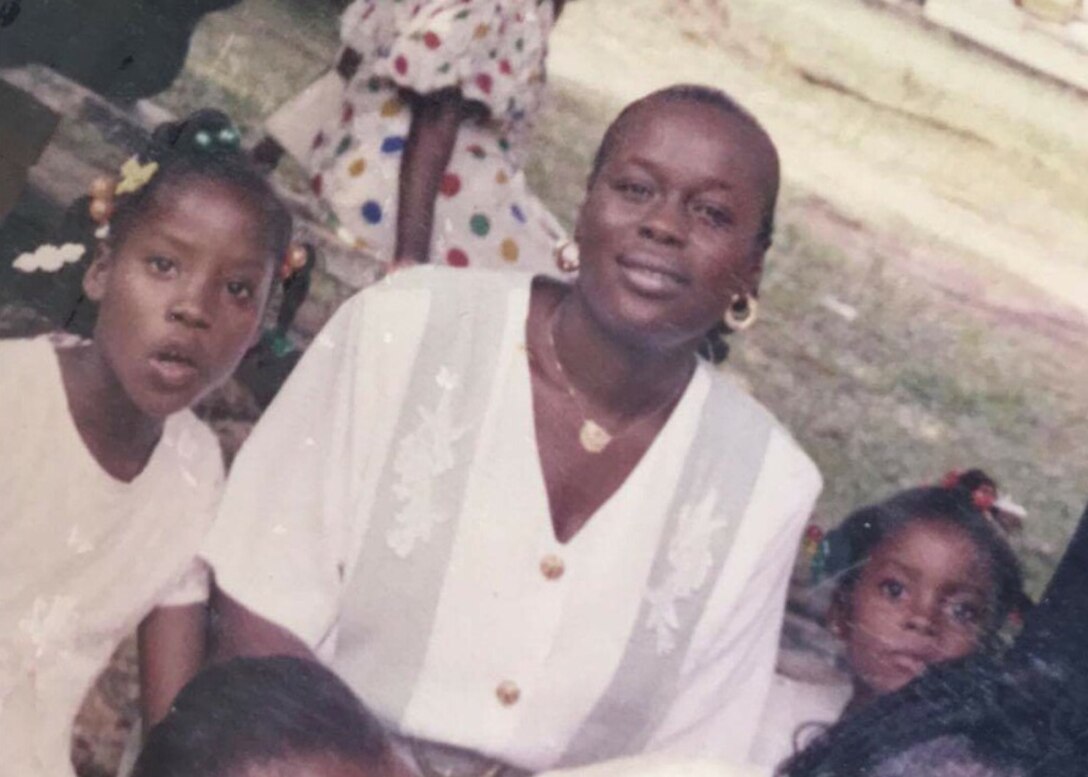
519 517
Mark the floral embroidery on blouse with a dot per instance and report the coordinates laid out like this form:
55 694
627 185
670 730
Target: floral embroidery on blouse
422 456
690 559
51 625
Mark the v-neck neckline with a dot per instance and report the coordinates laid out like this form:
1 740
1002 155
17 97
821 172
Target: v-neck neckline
692 391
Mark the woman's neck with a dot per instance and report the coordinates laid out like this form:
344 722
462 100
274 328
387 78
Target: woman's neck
623 377
119 435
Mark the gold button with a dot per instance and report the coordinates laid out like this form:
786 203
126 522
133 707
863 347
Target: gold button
552 567
508 693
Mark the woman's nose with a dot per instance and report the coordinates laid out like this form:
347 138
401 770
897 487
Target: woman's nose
665 224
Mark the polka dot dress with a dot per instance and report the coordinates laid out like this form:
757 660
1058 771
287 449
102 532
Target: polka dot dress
494 52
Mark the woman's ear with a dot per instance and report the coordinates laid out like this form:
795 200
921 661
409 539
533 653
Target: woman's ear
96 279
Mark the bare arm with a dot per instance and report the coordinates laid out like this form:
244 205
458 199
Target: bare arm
171 641
436 118
238 631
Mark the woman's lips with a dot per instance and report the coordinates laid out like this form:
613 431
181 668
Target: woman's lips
650 277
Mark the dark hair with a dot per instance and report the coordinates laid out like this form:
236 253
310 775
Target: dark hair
1010 720
251 710
714 347
204 146
849 546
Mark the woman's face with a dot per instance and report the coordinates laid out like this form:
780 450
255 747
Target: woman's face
670 229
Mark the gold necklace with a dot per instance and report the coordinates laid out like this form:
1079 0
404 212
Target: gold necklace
592 436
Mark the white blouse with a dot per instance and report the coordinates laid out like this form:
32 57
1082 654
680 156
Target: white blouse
85 556
390 511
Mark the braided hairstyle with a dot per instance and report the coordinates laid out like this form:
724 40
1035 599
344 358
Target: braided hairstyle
250 711
848 547
714 346
204 146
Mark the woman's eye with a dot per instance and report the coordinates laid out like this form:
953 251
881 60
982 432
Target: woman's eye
893 589
714 215
161 265
240 290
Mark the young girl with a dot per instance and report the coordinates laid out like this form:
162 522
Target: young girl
267 717
415 141
109 482
1023 713
921 578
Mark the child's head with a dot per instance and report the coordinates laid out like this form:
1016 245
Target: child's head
926 578
195 239
267 717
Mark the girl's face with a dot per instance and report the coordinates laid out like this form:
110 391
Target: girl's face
926 595
182 295
669 231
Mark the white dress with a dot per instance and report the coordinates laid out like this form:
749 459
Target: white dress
796 713
390 511
85 556
351 135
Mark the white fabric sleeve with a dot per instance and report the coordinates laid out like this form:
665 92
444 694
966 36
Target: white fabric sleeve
726 682
191 587
281 525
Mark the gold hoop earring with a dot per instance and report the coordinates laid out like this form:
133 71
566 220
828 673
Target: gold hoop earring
567 257
742 312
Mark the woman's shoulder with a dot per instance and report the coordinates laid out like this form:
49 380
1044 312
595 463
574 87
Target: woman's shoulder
728 389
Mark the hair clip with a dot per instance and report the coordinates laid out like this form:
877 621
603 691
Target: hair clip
296 258
227 137
49 258
134 176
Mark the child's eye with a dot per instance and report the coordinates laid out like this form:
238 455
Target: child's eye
966 613
893 589
161 265
717 216
633 190
240 290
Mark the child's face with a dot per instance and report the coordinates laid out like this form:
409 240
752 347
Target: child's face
181 297
669 231
925 596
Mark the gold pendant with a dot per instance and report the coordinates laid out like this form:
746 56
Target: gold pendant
593 436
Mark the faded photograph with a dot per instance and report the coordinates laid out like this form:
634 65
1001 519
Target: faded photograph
583 388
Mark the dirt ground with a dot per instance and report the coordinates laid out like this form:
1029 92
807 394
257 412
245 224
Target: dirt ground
926 301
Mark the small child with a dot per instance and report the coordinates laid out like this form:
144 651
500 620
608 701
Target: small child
416 140
109 482
921 578
267 717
